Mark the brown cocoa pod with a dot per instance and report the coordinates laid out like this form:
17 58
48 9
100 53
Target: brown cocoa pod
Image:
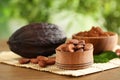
24 60
36 39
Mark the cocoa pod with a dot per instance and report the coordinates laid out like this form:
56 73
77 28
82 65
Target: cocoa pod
36 39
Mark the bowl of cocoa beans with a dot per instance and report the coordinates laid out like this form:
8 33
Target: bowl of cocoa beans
101 40
74 54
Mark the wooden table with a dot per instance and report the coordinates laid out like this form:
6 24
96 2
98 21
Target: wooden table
8 72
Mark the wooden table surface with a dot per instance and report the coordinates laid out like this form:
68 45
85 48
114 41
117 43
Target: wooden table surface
8 72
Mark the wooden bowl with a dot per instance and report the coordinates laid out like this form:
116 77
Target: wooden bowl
100 43
74 60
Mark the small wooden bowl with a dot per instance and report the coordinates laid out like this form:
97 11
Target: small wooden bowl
74 60
100 43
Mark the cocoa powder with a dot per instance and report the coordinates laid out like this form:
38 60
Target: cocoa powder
94 32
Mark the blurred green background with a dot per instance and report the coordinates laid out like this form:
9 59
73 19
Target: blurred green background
72 15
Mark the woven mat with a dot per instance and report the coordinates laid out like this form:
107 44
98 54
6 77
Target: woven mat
11 58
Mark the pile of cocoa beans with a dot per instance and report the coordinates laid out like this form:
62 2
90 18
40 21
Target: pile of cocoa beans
75 45
42 61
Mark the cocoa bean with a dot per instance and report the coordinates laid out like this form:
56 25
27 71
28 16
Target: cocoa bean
34 60
42 64
24 60
42 58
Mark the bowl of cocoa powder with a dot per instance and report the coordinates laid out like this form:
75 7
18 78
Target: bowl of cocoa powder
74 54
101 40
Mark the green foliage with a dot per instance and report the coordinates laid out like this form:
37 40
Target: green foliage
105 57
74 15
111 14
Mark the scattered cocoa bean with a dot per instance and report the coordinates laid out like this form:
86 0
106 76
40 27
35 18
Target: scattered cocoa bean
51 61
42 58
24 60
42 63
34 60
